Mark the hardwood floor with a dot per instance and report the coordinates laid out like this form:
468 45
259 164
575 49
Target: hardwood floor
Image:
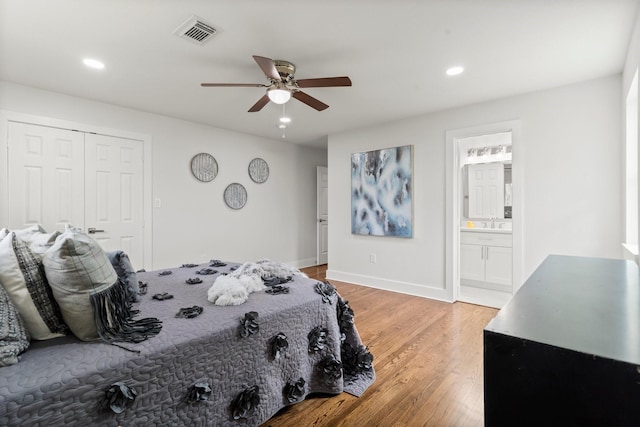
428 363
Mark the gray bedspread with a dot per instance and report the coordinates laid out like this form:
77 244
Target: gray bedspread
64 381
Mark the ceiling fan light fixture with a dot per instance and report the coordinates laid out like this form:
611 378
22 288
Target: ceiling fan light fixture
279 96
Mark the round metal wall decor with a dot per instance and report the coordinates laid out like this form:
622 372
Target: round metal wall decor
235 196
258 170
204 167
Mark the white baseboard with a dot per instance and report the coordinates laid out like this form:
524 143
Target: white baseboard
486 297
419 290
308 262
630 252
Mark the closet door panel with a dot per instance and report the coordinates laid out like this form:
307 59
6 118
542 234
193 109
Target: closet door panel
46 177
114 193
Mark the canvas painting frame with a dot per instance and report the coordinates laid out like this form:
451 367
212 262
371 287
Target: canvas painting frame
382 192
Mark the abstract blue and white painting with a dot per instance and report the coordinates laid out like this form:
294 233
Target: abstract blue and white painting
381 186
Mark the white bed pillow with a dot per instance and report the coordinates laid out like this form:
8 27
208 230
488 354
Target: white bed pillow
39 243
26 233
23 277
35 237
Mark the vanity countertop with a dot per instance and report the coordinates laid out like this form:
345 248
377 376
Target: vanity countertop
486 230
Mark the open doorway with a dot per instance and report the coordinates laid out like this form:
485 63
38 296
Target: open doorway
322 215
484 213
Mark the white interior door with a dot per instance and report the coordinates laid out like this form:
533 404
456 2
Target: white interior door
322 225
486 190
46 177
114 194
494 190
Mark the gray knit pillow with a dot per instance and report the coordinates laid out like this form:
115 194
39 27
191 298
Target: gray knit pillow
122 264
14 338
92 298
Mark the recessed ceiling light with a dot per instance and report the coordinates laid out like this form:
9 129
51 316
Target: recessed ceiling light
454 71
93 63
285 119
282 126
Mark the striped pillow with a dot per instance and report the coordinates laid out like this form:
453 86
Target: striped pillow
23 277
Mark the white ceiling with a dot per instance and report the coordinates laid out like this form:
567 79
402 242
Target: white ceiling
395 51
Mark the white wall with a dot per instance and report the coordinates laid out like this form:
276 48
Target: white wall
193 224
572 185
632 64
633 56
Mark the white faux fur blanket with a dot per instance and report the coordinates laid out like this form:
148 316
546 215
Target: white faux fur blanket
235 287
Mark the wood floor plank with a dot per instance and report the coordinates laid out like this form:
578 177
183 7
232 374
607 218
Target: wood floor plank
427 358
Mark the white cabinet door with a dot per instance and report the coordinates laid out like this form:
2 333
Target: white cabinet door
486 190
472 262
114 194
46 177
498 264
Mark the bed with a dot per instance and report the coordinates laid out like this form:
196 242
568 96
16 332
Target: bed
211 365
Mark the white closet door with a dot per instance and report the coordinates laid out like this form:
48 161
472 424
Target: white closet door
114 194
46 177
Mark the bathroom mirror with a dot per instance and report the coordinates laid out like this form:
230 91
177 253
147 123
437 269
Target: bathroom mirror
487 190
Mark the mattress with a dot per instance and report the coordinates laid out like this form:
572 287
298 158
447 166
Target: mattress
227 366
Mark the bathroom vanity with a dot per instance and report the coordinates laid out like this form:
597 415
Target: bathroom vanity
486 258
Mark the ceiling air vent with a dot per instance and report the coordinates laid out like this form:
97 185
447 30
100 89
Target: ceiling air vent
196 30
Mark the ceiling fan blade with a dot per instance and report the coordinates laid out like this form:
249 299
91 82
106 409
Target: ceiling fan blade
267 67
310 101
232 85
325 82
260 104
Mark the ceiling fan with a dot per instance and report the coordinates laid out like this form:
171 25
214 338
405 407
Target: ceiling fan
284 85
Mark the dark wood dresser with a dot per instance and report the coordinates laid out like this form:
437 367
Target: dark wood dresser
565 350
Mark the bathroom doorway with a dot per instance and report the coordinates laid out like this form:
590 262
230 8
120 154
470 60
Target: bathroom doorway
484 213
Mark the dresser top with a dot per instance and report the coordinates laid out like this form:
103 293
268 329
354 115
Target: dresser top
590 305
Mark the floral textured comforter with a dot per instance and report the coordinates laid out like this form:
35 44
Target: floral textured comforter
210 365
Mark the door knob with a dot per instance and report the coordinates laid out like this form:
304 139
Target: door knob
92 230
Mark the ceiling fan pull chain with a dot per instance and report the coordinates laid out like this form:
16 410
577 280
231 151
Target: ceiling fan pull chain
283 126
